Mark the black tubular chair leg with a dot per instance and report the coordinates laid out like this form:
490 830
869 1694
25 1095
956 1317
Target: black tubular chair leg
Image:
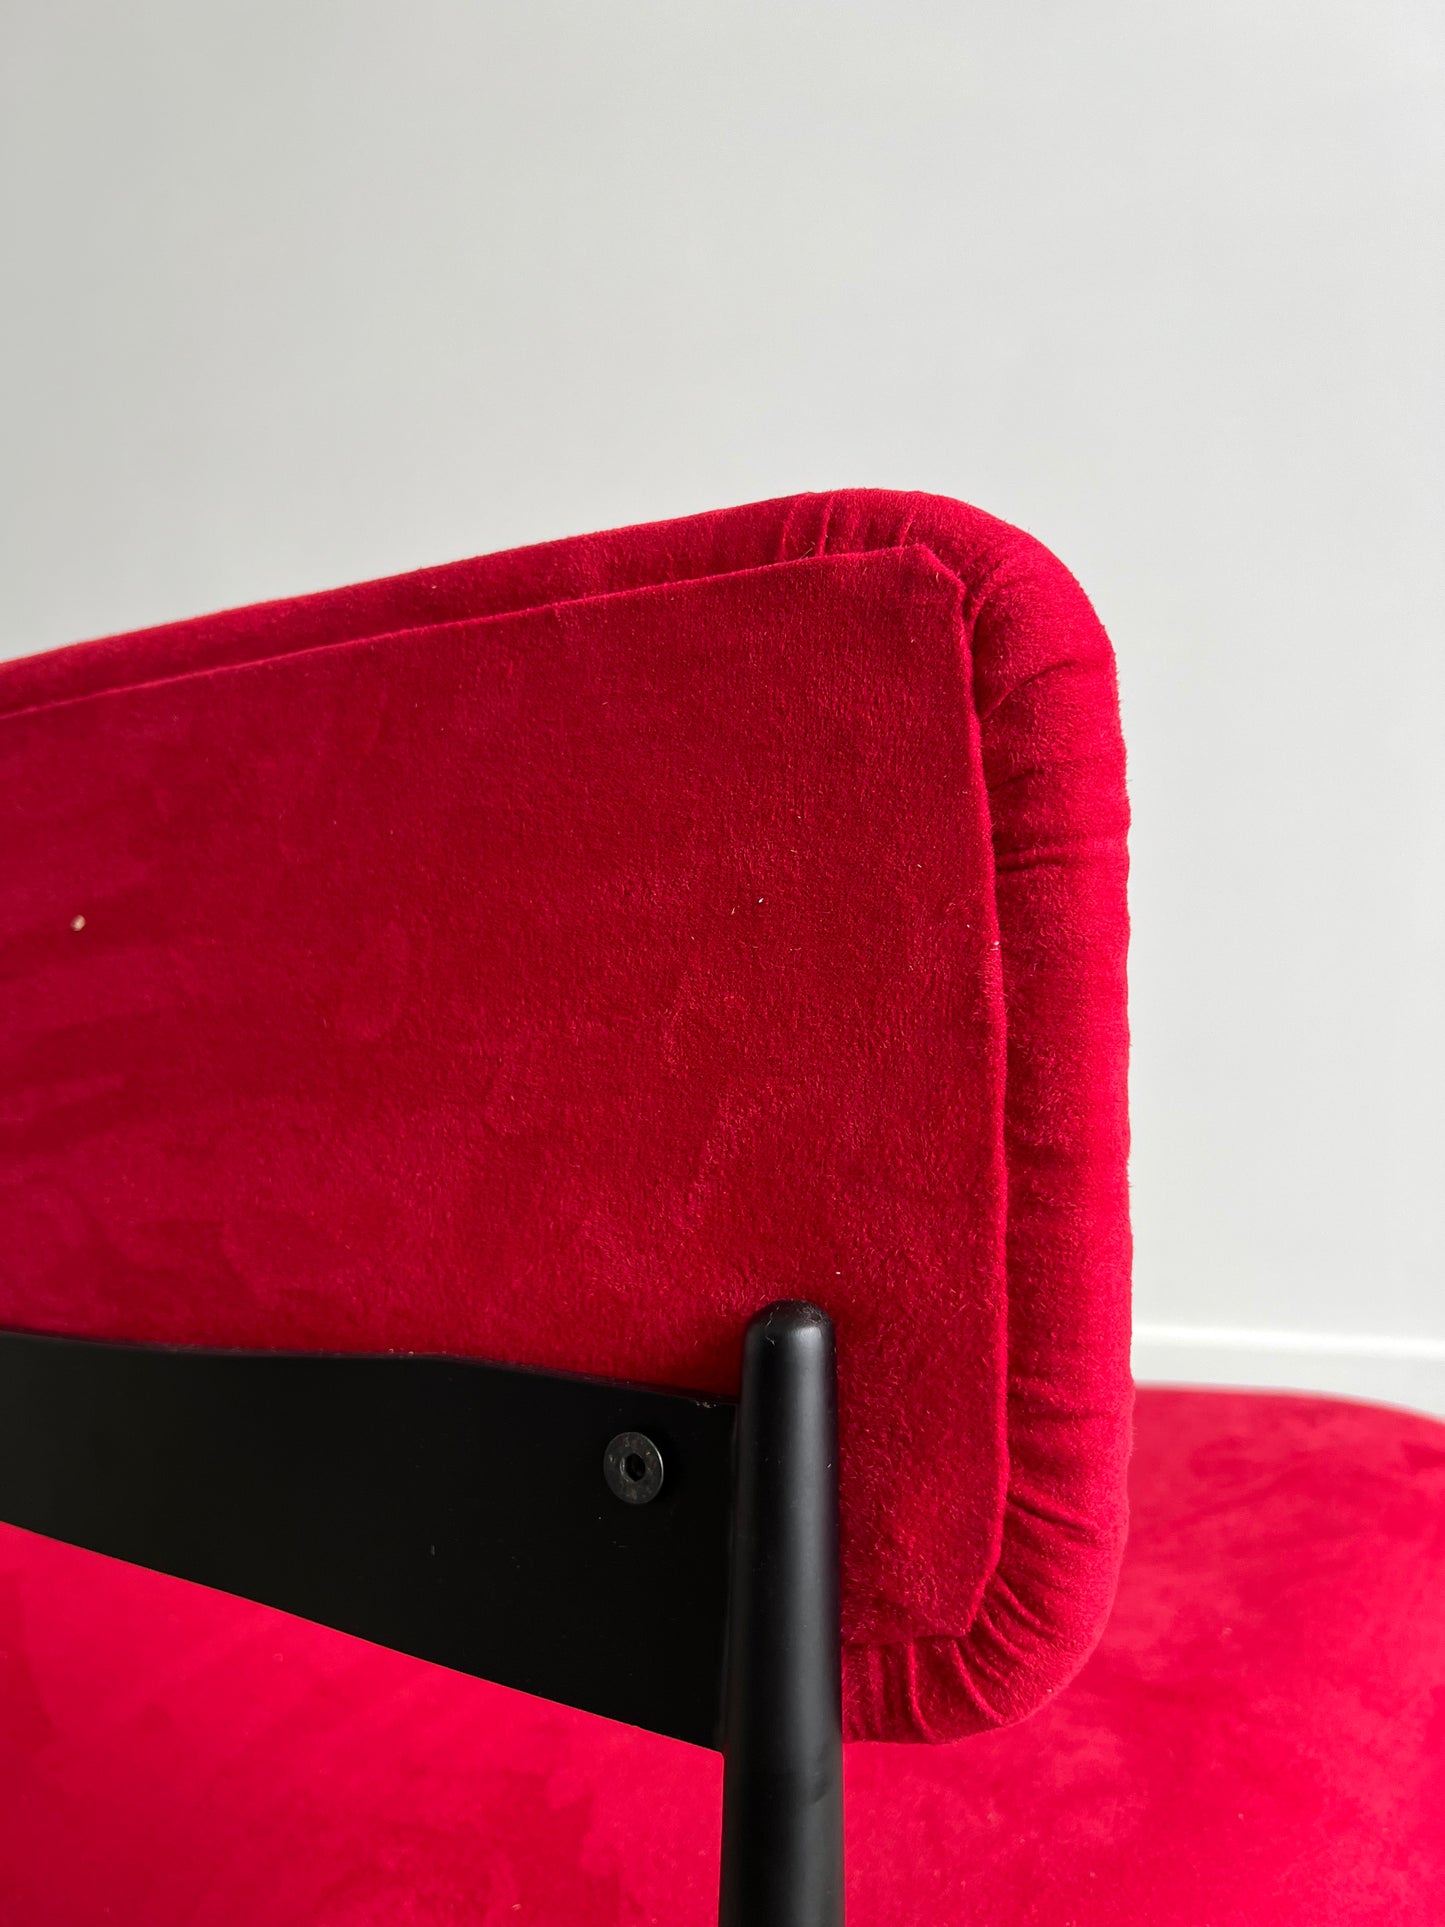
782 1830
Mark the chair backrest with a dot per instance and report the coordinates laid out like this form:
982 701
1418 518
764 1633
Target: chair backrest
554 957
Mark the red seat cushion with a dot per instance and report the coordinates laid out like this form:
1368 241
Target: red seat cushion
554 957
1258 1742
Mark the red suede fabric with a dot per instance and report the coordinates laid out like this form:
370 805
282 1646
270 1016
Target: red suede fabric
553 957
1259 1740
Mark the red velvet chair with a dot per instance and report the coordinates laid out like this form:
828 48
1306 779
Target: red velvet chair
551 959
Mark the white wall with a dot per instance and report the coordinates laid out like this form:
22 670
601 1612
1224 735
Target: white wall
299 292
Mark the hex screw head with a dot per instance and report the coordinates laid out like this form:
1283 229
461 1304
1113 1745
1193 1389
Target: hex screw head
632 1467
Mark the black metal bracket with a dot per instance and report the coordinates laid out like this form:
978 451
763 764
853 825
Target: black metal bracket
663 1559
454 1510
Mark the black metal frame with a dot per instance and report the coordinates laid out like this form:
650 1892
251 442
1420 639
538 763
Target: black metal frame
661 1558
782 1841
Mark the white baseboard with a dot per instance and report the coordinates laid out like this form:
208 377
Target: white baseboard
1388 1370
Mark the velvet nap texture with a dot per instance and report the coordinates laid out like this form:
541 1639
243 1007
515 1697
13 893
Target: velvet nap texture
1259 1740
553 957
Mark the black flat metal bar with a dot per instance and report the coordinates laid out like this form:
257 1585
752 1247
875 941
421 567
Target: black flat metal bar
455 1510
782 1842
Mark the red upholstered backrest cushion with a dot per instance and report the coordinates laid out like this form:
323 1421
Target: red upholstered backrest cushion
553 957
